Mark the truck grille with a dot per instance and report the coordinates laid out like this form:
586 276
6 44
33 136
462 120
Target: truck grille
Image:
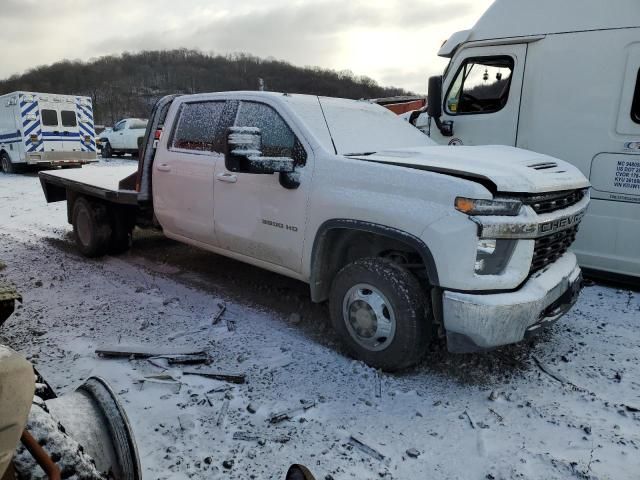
551 247
554 201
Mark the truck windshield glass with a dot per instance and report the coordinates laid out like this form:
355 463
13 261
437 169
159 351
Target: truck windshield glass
49 118
277 138
363 127
481 86
68 118
197 127
635 107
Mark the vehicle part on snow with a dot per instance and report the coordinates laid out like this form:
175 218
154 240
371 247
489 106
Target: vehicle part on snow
292 412
238 378
146 351
363 447
218 315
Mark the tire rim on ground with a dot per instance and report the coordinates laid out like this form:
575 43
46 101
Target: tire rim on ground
369 317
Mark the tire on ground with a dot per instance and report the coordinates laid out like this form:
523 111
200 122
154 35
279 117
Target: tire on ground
106 150
91 227
408 301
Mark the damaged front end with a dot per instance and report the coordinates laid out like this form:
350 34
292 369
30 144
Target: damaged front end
532 239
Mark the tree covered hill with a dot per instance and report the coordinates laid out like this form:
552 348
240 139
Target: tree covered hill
127 85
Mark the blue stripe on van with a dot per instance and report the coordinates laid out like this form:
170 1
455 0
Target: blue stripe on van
5 136
31 129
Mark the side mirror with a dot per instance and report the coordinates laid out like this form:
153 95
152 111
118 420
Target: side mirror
243 153
434 106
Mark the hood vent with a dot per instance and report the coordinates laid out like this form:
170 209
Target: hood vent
543 165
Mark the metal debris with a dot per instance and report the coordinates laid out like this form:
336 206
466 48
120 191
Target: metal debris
218 375
216 318
365 448
145 351
292 412
223 412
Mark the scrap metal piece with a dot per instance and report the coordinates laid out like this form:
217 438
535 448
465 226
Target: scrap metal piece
41 457
218 375
292 412
146 351
363 447
222 308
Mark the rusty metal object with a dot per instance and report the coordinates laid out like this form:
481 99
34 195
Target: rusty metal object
41 456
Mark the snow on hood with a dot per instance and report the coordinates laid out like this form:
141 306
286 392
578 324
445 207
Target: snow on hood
510 169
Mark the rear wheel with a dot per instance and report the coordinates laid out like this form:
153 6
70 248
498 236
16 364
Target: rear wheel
381 313
6 164
91 227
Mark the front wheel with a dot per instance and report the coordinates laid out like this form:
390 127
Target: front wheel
381 313
107 152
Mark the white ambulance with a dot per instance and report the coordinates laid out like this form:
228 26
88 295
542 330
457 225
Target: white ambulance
45 129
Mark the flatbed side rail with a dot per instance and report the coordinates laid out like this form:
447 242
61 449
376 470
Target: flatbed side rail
55 190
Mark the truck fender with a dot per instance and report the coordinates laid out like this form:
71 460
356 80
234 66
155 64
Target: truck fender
317 282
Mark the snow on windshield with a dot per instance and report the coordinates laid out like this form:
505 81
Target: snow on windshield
359 127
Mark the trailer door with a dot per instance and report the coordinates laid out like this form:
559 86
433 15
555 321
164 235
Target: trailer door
481 95
69 128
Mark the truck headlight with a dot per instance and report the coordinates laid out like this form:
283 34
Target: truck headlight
493 255
472 206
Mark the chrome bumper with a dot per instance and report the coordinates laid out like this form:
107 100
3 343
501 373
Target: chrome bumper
475 322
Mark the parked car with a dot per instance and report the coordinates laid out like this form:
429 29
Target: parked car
403 238
125 137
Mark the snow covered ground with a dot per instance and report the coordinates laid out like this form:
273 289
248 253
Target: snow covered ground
490 416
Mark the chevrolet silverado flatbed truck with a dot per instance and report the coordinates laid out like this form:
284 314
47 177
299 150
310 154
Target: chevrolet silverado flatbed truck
403 238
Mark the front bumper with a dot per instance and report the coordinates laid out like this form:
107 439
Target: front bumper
476 322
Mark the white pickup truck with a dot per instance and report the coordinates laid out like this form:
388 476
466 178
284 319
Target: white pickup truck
125 137
405 239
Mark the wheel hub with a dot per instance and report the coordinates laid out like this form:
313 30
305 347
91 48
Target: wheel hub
369 317
83 227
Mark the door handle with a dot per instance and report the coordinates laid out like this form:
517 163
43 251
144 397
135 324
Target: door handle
163 167
227 177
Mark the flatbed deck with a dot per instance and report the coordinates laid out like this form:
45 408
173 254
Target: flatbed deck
95 181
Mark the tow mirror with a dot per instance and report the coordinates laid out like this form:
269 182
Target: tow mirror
434 106
243 153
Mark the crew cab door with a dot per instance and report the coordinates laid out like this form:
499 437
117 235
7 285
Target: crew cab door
481 95
254 214
183 169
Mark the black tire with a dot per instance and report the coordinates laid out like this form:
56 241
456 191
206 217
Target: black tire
91 227
121 232
406 306
107 152
6 164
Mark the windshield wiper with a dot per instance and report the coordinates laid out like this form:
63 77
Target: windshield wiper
361 154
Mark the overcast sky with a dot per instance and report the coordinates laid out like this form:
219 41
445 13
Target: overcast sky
393 41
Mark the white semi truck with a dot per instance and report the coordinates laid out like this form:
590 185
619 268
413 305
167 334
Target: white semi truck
405 239
560 78
45 129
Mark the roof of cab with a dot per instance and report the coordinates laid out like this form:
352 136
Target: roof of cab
521 18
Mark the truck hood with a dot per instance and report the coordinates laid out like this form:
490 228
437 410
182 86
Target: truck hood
500 168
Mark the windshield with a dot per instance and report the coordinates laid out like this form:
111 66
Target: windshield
363 127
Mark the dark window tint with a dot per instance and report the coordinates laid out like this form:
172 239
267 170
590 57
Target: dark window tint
68 118
49 118
119 126
635 107
277 138
197 127
481 86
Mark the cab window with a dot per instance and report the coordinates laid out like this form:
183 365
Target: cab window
635 106
49 118
480 86
197 127
119 126
68 118
278 140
